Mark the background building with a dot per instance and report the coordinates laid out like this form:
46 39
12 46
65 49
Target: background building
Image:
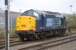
12 19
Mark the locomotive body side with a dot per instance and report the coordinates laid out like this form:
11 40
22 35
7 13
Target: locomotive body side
52 22
55 25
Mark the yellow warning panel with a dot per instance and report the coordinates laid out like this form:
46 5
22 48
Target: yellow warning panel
25 23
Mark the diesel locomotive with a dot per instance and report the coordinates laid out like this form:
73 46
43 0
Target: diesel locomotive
36 24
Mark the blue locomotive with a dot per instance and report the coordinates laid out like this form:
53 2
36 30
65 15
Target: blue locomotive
36 24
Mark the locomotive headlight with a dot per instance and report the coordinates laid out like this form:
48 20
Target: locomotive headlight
34 29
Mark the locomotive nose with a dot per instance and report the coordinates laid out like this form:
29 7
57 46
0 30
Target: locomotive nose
25 23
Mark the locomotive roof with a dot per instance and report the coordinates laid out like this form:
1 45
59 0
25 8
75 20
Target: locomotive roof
44 12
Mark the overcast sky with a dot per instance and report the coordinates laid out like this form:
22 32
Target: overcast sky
62 6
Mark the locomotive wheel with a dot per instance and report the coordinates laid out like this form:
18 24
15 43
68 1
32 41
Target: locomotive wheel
62 32
21 37
36 36
53 33
31 37
42 37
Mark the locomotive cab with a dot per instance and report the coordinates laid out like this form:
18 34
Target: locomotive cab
27 24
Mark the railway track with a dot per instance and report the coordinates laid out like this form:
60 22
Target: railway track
52 43
39 44
13 41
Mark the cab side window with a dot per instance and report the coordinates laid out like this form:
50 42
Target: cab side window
36 15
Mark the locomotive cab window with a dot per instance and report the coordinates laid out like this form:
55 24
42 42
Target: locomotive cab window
31 13
27 13
36 15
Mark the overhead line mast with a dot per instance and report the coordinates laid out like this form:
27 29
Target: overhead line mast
6 24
